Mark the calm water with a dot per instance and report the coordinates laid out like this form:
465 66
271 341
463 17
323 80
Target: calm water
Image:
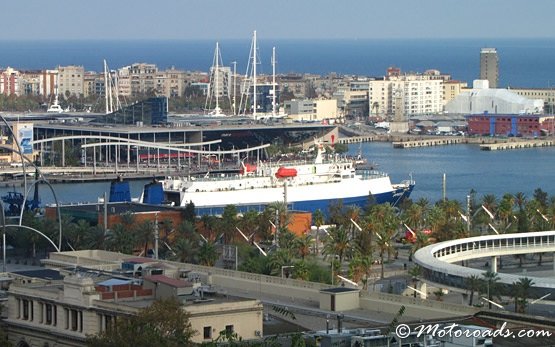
523 62
466 167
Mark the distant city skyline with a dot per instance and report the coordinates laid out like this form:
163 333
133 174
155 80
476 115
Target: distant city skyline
285 19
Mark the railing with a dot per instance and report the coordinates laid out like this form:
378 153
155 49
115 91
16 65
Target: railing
437 260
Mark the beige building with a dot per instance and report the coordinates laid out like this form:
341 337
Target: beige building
70 80
546 94
451 89
142 78
49 80
63 312
311 110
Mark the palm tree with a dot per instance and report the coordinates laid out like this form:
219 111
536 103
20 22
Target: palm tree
145 234
278 259
521 290
120 240
95 238
77 232
318 220
185 250
415 272
473 285
207 254
303 245
360 268
337 243
491 286
301 271
229 223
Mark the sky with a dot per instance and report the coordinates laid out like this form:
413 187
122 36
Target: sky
279 19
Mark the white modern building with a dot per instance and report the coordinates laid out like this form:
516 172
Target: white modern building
482 99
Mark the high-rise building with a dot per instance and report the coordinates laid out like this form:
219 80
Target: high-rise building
489 66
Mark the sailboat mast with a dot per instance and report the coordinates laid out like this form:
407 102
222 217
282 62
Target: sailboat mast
234 84
106 85
273 81
216 77
254 75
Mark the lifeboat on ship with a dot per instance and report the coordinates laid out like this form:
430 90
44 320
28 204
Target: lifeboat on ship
285 172
247 169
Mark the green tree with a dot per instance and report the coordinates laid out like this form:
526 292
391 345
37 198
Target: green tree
185 250
472 285
121 240
318 219
415 272
165 323
521 292
207 254
491 286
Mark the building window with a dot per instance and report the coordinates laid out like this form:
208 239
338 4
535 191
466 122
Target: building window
48 313
207 333
66 314
74 320
25 309
229 329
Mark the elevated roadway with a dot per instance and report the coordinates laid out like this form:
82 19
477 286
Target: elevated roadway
438 260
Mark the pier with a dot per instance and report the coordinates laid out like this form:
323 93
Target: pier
517 145
357 139
430 142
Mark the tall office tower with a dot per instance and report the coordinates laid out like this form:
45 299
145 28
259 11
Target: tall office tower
489 66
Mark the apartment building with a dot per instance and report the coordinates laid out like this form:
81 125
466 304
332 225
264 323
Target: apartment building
142 78
451 89
30 82
71 80
421 93
10 82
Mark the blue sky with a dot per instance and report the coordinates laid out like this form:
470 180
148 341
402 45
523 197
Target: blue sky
291 19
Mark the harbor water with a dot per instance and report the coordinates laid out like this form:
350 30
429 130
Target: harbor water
466 167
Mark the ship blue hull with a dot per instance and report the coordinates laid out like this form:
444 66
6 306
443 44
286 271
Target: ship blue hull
393 198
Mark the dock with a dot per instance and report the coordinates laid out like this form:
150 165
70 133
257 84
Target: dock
357 139
430 142
517 145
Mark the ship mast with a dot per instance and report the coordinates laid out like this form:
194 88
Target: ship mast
216 79
234 84
254 74
106 86
273 81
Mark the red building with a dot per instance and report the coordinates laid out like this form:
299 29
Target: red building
510 125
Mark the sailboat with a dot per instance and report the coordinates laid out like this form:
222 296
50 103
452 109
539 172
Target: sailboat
216 83
251 67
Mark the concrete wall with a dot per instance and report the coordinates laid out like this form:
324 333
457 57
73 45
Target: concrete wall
414 307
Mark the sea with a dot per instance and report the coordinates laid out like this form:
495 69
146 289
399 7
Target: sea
466 168
522 63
